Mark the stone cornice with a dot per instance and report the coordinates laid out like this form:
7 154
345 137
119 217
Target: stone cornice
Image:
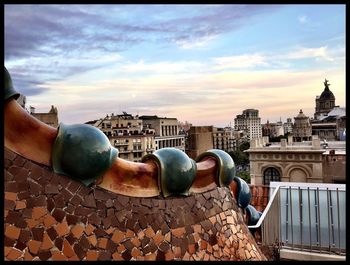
284 151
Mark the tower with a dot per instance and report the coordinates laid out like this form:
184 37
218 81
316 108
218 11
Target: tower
325 102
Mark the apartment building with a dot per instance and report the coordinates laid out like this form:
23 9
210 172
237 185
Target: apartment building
167 133
223 139
128 134
249 122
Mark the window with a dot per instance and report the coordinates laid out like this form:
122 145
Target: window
271 174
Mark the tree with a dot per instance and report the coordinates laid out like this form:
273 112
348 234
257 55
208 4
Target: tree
245 175
240 157
244 146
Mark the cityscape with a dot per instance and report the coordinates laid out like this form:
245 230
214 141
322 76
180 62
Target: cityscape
137 136
191 78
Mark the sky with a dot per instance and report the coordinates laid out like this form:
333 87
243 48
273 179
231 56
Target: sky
203 64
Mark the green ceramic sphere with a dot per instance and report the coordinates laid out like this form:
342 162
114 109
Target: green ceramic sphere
10 91
176 171
82 152
226 166
243 193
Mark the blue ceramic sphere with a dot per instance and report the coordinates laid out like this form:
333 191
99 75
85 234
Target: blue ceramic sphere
176 171
243 193
253 215
82 152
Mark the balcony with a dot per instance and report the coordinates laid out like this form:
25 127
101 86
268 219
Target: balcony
137 150
124 151
121 144
305 221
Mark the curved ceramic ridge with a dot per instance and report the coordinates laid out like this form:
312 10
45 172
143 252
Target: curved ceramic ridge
36 141
9 90
131 179
226 167
123 177
26 135
82 152
243 194
205 176
176 171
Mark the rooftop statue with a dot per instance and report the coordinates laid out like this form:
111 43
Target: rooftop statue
326 85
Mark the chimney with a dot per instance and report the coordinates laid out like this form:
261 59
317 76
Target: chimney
316 144
283 143
253 143
265 140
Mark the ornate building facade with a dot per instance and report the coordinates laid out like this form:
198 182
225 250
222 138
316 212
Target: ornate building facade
302 130
325 102
329 120
128 134
296 162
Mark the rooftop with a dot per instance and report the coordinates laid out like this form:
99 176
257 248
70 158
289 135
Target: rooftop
316 145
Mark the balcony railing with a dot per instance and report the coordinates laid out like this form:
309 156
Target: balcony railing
120 144
124 151
305 217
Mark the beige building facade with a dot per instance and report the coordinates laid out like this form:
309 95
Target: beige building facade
294 162
223 139
50 118
128 134
134 147
166 132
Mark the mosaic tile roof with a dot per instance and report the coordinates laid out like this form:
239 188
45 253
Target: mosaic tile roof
52 217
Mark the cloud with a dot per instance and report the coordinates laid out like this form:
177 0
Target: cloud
317 53
94 60
46 30
303 19
163 67
198 30
26 84
187 43
203 98
37 30
239 61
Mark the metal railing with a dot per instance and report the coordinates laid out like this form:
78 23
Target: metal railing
269 221
306 217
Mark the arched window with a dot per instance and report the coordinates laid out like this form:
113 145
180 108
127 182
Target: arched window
271 174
